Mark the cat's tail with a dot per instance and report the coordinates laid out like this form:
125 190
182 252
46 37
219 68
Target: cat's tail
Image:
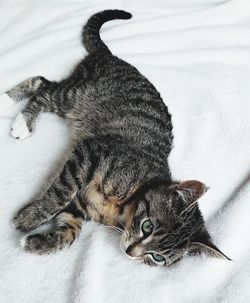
91 36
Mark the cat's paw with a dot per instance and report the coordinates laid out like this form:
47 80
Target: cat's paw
30 217
19 128
24 221
38 243
19 223
5 102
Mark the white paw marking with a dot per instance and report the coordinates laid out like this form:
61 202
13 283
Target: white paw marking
5 102
19 128
23 241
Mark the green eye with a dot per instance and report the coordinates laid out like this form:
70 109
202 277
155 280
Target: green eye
147 227
158 258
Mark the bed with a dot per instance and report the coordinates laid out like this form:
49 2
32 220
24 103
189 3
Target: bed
197 54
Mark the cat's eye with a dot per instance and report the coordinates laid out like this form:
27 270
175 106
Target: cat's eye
147 227
158 258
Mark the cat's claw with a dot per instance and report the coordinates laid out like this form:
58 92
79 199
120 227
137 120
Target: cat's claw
19 128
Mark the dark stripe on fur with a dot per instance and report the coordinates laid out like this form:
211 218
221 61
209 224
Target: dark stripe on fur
91 36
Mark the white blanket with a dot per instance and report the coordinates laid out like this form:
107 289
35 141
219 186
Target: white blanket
197 53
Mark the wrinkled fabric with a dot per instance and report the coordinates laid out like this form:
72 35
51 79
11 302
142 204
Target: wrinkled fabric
197 54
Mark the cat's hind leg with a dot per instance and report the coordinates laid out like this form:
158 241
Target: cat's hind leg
23 90
27 88
24 123
34 89
66 227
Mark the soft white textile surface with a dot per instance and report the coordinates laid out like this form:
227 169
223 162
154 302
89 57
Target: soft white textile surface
197 53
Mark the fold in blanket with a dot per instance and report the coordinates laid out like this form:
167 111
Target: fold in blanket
197 54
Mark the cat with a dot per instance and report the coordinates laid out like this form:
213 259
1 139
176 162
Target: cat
117 173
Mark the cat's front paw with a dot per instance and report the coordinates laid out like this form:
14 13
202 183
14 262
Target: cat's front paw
19 128
38 243
24 220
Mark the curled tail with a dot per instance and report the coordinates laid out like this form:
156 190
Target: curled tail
91 37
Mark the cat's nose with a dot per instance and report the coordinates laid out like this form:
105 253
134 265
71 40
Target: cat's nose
129 250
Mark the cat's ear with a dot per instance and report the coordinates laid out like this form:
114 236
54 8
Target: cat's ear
202 243
190 190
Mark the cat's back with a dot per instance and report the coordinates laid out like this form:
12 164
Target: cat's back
116 98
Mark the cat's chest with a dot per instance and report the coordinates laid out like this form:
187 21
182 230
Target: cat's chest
102 206
99 208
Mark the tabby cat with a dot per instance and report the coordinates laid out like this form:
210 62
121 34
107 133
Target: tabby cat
117 173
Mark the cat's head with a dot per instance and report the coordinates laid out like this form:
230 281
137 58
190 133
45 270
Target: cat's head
166 224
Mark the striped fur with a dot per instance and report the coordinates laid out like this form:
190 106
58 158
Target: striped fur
118 167
90 35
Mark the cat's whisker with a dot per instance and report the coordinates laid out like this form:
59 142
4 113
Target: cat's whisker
124 228
190 206
120 231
